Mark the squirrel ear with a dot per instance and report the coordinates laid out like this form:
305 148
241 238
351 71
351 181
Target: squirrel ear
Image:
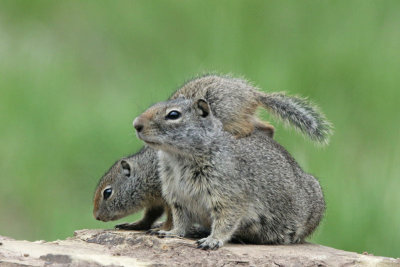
126 168
202 107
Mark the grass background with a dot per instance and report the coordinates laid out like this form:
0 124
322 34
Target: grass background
74 74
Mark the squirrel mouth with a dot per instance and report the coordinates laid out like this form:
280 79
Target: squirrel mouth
152 143
149 142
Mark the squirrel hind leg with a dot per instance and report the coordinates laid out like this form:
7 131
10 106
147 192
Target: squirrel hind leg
167 225
240 128
265 127
246 125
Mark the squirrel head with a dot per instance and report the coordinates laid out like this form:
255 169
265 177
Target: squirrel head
180 125
118 194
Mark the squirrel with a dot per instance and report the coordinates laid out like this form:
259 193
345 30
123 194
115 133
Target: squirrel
248 189
130 185
233 101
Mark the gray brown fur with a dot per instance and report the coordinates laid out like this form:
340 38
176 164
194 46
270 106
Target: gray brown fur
233 101
249 189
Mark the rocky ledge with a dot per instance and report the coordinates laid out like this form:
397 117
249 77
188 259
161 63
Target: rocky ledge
131 248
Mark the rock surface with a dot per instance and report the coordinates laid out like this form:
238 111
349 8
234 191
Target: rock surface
131 248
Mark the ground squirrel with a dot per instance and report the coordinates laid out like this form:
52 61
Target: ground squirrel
130 185
249 189
234 102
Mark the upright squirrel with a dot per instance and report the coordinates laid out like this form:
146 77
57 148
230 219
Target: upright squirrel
132 183
249 189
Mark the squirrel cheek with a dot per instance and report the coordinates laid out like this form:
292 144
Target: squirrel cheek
96 214
96 205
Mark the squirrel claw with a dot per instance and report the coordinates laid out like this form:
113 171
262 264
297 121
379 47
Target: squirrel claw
209 243
152 232
121 226
161 235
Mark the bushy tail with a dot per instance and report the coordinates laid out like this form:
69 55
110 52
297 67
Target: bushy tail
299 113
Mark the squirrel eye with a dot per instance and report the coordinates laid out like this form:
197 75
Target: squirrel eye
107 193
173 115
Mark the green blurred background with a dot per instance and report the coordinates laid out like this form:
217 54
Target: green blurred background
74 74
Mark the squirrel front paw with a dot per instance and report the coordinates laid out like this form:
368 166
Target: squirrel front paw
132 226
209 243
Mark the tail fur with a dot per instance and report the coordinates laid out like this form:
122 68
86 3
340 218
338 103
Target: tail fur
299 113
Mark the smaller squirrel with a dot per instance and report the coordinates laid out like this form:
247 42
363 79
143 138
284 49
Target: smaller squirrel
249 189
234 102
130 185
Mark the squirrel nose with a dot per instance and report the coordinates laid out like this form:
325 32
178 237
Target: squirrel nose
138 125
139 128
